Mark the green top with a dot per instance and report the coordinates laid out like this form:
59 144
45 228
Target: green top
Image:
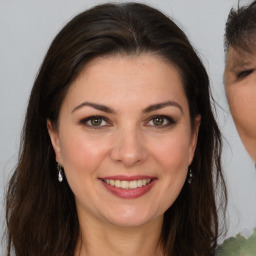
238 246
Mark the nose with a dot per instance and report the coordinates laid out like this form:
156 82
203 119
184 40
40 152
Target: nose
129 148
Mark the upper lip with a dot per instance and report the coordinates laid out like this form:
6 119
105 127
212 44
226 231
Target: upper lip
127 178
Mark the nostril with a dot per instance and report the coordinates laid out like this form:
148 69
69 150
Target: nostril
128 157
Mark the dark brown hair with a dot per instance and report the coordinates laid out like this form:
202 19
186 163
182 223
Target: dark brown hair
40 212
241 28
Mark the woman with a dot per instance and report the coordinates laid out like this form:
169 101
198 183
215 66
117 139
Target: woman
121 151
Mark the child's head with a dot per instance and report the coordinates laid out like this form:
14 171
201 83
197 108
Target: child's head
240 73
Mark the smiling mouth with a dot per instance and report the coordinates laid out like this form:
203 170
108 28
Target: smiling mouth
125 184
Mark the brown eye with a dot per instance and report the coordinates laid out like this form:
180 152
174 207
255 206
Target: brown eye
158 121
95 121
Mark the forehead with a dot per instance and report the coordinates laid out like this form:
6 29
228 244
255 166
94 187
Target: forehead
118 69
239 59
143 79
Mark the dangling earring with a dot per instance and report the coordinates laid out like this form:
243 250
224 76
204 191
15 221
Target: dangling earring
60 173
190 175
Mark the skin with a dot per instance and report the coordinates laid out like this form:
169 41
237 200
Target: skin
240 84
127 142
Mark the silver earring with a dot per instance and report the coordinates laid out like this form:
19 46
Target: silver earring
60 173
190 175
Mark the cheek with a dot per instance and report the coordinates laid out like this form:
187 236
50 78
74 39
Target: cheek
242 106
173 159
173 155
81 155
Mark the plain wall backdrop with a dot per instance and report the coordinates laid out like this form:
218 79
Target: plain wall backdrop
27 28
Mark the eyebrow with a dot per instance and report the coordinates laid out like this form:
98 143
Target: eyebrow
163 105
238 64
148 109
94 105
240 61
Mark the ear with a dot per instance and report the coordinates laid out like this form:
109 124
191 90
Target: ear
194 137
54 136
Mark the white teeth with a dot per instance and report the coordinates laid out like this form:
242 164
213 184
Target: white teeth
133 184
124 184
139 183
128 184
118 184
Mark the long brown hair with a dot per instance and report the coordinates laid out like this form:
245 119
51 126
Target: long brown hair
41 212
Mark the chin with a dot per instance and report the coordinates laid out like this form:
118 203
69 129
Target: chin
128 222
130 218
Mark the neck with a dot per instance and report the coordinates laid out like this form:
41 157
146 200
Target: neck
101 238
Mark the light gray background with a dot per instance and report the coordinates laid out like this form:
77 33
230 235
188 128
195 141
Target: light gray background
28 27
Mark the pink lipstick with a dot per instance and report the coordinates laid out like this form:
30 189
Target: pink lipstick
128 187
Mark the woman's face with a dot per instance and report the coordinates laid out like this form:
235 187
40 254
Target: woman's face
124 139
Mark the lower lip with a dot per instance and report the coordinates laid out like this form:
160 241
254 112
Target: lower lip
129 193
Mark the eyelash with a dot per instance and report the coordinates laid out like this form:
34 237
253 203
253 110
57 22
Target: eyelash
90 118
244 73
168 121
